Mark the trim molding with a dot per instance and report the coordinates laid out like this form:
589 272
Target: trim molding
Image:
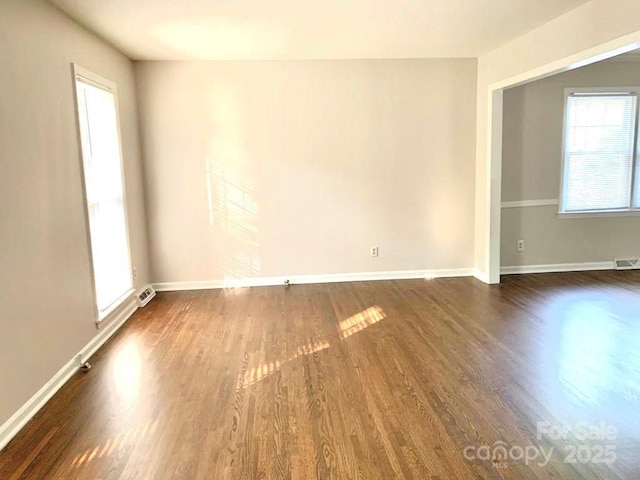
14 424
530 203
601 214
480 275
306 279
557 267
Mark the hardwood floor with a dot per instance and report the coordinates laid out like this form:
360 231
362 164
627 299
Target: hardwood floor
391 379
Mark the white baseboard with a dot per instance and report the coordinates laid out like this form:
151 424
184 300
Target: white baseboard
480 275
557 267
305 279
14 424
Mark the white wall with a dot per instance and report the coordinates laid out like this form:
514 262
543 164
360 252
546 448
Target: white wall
540 51
258 169
46 300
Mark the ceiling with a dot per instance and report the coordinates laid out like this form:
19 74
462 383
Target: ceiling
304 29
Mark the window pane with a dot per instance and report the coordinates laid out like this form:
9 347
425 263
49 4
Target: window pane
599 148
104 190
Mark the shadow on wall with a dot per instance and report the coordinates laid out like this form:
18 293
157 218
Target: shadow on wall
233 210
230 189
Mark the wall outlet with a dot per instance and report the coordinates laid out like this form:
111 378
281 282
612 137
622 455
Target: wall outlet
374 251
134 272
520 246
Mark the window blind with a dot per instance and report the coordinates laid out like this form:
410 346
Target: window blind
104 192
599 152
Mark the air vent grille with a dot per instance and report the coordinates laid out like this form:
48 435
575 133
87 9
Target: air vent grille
145 295
627 264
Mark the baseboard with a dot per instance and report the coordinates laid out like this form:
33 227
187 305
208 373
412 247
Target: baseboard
480 275
306 279
19 419
557 267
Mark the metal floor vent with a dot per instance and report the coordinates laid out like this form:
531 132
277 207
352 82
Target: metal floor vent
627 264
144 296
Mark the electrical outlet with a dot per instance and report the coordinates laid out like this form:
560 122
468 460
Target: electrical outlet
134 272
520 246
374 251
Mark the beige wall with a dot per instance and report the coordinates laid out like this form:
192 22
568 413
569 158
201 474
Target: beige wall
550 240
46 301
531 167
540 51
533 124
258 169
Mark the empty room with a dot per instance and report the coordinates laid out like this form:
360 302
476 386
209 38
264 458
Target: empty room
339 240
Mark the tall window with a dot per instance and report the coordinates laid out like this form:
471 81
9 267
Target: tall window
599 168
104 190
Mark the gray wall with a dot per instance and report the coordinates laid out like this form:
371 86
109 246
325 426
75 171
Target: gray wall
293 168
46 299
532 162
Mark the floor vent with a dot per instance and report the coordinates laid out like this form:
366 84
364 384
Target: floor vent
627 264
144 296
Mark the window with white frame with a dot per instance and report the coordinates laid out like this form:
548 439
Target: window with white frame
104 189
599 166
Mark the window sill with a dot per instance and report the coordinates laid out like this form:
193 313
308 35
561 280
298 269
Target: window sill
105 315
600 214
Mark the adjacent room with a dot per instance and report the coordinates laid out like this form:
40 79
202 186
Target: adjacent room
563 198
249 240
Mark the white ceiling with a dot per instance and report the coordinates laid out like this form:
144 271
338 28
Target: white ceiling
305 29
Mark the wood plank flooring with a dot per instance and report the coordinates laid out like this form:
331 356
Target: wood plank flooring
364 380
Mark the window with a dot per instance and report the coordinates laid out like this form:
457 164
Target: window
104 190
599 165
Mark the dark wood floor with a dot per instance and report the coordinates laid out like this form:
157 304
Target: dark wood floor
392 379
